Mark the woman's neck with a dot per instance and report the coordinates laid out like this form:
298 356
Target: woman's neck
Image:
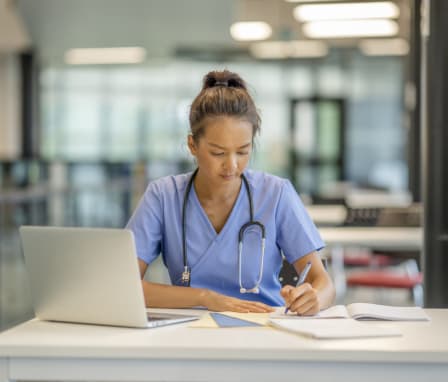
207 191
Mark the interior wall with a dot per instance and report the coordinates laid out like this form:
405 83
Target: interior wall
10 132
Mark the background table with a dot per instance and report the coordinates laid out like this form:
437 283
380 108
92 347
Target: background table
386 238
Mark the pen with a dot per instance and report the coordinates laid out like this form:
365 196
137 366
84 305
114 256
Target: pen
302 278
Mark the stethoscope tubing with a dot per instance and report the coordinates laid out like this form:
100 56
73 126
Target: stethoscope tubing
186 275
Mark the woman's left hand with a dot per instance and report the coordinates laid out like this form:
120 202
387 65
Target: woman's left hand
302 300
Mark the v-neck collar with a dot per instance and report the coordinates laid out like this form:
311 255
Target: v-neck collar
231 216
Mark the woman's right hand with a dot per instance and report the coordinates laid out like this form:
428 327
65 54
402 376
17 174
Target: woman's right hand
220 303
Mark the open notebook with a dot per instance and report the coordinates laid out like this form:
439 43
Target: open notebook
364 311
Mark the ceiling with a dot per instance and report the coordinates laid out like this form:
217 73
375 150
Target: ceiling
163 27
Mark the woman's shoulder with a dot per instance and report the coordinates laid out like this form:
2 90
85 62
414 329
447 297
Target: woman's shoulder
169 184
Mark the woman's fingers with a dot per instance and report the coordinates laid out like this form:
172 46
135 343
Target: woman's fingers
221 303
306 305
302 300
242 306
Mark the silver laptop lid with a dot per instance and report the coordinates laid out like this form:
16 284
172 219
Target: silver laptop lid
84 275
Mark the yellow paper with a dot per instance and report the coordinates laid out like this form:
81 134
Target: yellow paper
206 321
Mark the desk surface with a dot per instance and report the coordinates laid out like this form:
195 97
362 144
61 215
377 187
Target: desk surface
43 350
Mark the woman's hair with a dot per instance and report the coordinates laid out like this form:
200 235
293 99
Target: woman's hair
223 94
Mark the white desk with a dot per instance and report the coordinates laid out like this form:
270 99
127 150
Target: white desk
327 214
386 238
47 351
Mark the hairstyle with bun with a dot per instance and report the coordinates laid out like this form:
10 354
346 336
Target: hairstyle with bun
223 94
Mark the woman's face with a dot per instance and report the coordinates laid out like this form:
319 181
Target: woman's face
223 151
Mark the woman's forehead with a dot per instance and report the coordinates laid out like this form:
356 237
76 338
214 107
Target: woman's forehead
227 125
227 130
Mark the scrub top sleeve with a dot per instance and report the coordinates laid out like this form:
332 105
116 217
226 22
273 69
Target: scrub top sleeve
146 225
296 233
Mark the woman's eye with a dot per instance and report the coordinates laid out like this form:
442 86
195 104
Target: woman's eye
217 154
243 153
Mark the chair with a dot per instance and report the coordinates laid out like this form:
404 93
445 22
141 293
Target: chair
410 279
366 258
288 274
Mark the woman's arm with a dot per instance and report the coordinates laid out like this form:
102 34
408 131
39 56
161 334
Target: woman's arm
169 296
316 293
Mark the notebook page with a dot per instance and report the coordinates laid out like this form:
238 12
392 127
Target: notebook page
367 311
335 311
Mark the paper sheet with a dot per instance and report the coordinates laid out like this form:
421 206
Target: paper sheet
206 321
334 328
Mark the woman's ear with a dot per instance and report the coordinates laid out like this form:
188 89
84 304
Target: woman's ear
192 145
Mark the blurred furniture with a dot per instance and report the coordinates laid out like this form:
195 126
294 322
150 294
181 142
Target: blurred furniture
338 239
375 272
409 216
360 257
327 214
386 238
333 215
288 274
407 276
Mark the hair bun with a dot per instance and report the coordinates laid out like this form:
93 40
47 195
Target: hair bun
223 78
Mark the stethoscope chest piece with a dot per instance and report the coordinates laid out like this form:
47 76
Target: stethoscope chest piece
254 290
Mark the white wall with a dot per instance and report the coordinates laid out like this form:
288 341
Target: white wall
10 132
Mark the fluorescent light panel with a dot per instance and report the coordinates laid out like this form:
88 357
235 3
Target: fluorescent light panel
346 11
250 31
352 28
384 47
309 1
99 56
288 49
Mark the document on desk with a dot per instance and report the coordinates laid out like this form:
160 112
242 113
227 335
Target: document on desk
230 319
364 311
333 328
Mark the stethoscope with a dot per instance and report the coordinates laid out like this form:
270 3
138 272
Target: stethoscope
186 274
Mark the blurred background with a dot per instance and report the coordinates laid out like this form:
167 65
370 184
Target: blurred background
95 95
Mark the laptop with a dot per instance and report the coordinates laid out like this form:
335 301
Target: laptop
88 275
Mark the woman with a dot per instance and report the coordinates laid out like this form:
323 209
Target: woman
210 225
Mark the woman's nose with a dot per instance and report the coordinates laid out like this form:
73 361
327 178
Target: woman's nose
231 162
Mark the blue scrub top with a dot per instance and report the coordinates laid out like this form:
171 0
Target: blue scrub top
213 258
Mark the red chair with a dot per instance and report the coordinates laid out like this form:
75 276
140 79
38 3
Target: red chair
411 279
366 259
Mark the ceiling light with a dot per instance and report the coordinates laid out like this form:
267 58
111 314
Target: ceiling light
97 56
308 1
288 49
352 28
250 31
384 47
346 11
